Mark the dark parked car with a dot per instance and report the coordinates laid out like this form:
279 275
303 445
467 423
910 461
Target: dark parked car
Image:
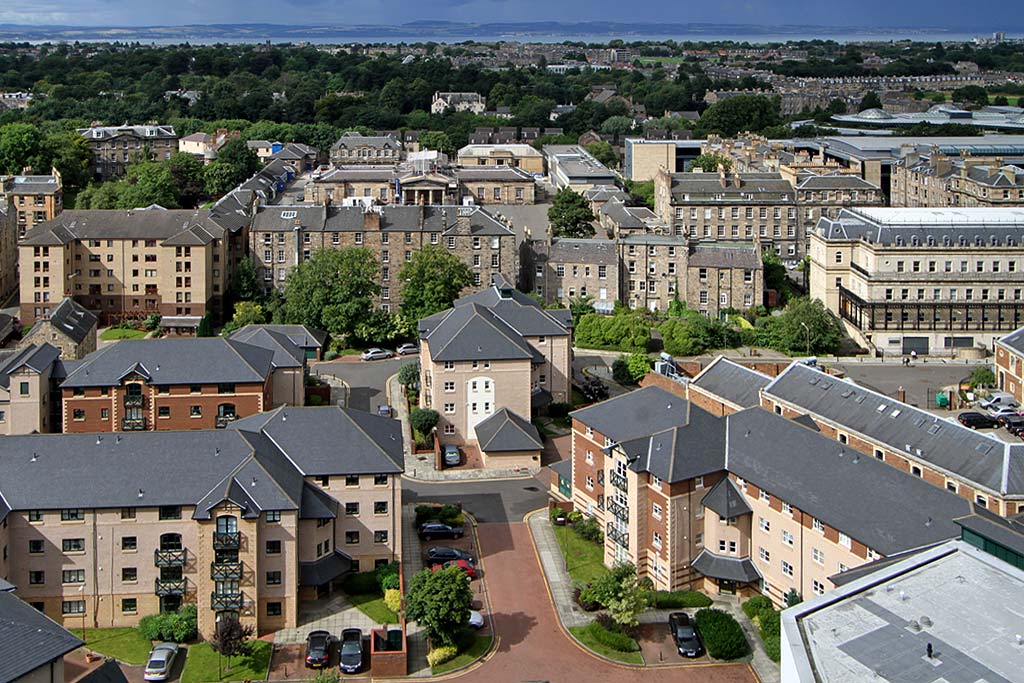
443 553
977 420
384 410
351 650
684 634
1013 423
318 649
434 529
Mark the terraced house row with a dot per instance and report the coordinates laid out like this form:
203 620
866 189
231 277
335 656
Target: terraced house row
736 482
102 529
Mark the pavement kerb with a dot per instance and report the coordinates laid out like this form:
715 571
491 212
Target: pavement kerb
588 651
465 481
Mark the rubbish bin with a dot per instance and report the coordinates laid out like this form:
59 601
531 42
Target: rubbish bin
942 399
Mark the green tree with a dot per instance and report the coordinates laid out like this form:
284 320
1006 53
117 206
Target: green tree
409 375
231 638
617 125
836 106
737 114
533 111
437 140
793 598
709 162
148 183
333 291
69 153
639 365
570 215
971 94
432 280
689 333
603 152
774 273
423 420
580 306
205 328
246 313
627 599
982 377
20 144
439 602
245 284
870 101
187 175
806 322
235 164
642 193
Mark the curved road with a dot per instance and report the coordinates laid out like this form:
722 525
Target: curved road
532 646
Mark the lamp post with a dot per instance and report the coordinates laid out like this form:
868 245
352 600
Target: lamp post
85 639
808 330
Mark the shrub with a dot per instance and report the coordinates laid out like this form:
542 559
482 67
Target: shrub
586 597
440 655
423 419
574 516
616 640
556 512
723 636
177 627
409 375
326 676
768 622
387 576
361 584
678 599
620 371
393 599
982 377
449 514
316 400
594 390
559 409
638 365
757 604
330 355
589 530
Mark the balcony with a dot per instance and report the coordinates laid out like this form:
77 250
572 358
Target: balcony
133 424
170 558
169 587
226 571
619 537
134 400
227 540
225 601
620 511
222 421
618 481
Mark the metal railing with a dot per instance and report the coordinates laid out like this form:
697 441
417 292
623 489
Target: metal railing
169 587
227 540
133 424
619 537
620 511
618 481
226 571
222 421
134 400
225 601
170 558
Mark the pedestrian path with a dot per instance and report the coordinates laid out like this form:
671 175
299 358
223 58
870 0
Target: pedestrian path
412 563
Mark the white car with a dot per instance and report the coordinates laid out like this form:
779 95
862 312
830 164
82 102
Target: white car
161 661
407 349
476 620
376 354
1004 410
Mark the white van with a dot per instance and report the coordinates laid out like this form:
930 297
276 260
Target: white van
998 399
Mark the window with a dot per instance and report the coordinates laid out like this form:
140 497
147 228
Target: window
818 556
351 480
844 540
787 508
449 408
698 539
36 578
879 454
380 480
129 605
325 480
818 587
351 509
35 546
273 547
656 511
273 609
952 486
129 543
698 482
449 365
981 500
656 540
274 578
72 607
129 574
78 414
449 387
72 576
764 496
351 537
170 512
380 536
273 516
765 555
590 483
23 389
73 545
818 526
787 537
787 568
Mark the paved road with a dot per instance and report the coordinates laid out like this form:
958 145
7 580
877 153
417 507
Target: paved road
491 502
366 379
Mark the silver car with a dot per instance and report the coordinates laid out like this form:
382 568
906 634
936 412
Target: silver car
407 349
161 661
376 354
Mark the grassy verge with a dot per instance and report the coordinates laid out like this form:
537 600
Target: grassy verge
372 605
115 333
124 644
586 558
201 664
587 635
578 399
765 618
471 648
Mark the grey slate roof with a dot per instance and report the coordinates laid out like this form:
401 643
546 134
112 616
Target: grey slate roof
354 140
29 639
725 499
754 187
38 357
172 227
1008 533
32 185
692 449
953 226
838 181
174 361
469 174
731 381
301 335
145 132
728 568
283 217
325 569
594 252
829 481
639 413
563 468
986 461
504 431
725 255
1014 341
287 354
73 319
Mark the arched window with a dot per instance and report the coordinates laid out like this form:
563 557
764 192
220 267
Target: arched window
170 542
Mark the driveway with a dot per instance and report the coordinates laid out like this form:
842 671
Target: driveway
532 645
490 501
367 380
917 380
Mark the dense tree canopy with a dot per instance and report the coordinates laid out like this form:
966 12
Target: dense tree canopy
570 215
738 114
333 291
432 280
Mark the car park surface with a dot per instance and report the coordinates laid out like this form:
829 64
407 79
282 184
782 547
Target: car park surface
160 662
318 649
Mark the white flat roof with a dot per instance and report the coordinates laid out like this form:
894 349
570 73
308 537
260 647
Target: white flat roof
943 216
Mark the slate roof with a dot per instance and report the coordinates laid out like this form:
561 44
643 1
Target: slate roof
29 639
563 468
174 361
637 414
731 381
762 187
620 214
493 174
505 431
287 354
283 217
72 319
355 140
728 568
341 174
592 252
325 569
32 185
952 226
725 499
38 357
725 255
300 335
1014 341
1008 533
838 181
691 449
829 481
171 227
146 132
986 461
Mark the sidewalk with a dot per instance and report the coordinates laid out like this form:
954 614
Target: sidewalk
412 563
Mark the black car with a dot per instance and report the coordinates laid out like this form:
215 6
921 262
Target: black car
684 634
977 420
1013 423
434 529
318 649
442 553
351 660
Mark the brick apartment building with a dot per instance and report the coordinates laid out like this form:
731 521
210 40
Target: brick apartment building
131 264
245 521
1010 363
114 148
938 180
495 350
283 236
37 198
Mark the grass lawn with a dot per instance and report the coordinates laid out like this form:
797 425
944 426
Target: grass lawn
201 664
583 634
578 399
469 652
372 605
125 644
663 60
113 333
586 558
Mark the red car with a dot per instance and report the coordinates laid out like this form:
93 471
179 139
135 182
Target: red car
465 566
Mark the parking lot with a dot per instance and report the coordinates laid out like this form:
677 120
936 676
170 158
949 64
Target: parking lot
658 649
366 380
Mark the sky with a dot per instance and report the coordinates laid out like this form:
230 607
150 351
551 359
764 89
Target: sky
952 14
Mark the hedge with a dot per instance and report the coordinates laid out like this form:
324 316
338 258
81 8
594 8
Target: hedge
768 622
723 636
178 627
611 639
678 599
442 654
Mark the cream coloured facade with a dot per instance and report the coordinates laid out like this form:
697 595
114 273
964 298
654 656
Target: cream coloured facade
517 155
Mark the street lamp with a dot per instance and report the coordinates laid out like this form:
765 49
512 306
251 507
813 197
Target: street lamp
808 330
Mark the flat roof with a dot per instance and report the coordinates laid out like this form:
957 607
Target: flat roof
963 601
944 216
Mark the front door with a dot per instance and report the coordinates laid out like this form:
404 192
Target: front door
727 587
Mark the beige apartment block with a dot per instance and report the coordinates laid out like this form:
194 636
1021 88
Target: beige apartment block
516 155
936 180
29 393
37 198
250 521
933 281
